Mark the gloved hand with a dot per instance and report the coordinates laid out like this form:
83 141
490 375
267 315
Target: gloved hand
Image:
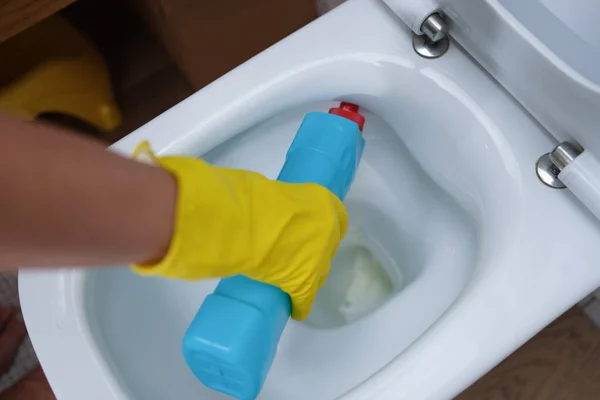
232 222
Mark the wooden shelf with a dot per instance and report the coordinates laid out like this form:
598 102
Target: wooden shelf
18 15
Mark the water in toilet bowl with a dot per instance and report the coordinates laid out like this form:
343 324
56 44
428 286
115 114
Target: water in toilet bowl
363 276
360 281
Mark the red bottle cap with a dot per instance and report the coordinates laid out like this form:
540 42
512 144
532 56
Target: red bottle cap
349 111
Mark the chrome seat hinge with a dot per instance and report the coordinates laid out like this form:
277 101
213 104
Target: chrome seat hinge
427 22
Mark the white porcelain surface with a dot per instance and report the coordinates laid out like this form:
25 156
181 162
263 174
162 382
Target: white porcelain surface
448 183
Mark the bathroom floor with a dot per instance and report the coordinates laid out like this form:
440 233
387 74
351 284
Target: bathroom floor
561 362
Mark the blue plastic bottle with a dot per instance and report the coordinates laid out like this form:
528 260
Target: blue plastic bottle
231 343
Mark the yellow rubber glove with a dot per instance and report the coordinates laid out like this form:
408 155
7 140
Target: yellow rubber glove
232 222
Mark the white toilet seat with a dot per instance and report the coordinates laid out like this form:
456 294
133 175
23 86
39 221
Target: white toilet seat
522 279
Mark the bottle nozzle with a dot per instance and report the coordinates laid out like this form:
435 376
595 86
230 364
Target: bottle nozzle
349 111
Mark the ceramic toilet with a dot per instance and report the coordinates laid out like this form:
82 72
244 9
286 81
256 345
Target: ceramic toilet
464 252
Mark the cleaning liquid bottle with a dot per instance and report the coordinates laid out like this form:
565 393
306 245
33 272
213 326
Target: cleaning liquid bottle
231 343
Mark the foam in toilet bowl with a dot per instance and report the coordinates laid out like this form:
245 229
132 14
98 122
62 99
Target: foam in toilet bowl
358 283
362 283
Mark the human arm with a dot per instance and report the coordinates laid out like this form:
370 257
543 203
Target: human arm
67 201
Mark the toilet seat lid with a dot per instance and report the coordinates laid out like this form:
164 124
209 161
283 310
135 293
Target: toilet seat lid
568 28
545 52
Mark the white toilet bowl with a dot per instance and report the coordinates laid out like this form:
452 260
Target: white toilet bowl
446 198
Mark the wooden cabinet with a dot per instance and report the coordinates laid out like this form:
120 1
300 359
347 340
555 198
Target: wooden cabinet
18 15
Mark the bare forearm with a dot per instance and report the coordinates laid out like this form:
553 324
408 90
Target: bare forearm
67 201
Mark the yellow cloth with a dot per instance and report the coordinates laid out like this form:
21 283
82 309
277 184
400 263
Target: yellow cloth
53 68
232 222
